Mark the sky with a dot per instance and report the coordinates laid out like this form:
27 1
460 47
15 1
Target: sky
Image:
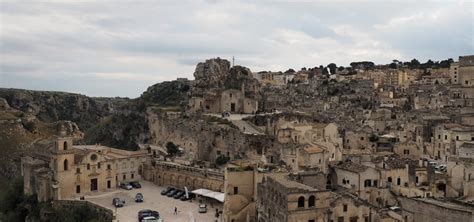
120 47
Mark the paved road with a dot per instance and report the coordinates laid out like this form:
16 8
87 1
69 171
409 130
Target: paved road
245 127
188 211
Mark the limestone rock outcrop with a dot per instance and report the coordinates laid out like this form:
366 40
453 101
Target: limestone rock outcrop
211 73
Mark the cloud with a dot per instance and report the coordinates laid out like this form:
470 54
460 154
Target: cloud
119 48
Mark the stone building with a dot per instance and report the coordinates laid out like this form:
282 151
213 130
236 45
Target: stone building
454 72
466 70
164 173
68 171
218 101
282 199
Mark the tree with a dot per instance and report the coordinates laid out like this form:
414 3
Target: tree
414 63
393 65
332 67
172 149
221 160
290 71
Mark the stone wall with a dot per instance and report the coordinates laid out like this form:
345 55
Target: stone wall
436 211
105 214
180 176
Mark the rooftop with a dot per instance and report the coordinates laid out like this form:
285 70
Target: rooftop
351 166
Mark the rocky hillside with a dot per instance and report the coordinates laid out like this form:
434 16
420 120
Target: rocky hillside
21 133
54 106
28 116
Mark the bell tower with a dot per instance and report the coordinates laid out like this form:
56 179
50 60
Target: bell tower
63 165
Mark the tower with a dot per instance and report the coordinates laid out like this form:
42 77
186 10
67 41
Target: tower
63 166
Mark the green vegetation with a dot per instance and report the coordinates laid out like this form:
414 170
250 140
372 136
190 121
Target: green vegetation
221 160
172 149
15 206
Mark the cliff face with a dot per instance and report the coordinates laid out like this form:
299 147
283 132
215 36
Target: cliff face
29 116
20 134
211 73
55 106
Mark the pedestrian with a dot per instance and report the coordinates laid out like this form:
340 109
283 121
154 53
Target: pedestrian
175 210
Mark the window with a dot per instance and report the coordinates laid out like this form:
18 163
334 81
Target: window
389 179
311 201
406 152
398 181
108 184
439 137
66 165
310 220
457 137
340 219
445 137
416 179
93 157
88 166
375 183
65 145
78 170
362 138
344 208
230 95
124 177
367 183
236 190
98 165
78 189
132 176
353 219
109 166
301 202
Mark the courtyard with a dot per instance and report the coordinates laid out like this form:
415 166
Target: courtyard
187 210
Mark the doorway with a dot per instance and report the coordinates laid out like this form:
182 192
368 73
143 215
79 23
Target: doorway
232 107
94 184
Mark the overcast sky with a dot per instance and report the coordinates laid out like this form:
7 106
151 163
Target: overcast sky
119 48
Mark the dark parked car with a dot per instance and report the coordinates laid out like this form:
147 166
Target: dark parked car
147 213
179 194
167 190
136 184
172 193
117 202
189 197
139 197
126 186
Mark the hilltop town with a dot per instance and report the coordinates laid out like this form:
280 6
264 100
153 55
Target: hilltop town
366 142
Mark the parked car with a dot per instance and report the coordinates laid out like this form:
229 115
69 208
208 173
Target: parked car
136 184
151 219
189 197
179 194
139 197
202 208
167 190
117 202
147 213
126 186
172 193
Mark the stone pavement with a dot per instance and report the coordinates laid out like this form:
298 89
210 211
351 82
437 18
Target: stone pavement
187 211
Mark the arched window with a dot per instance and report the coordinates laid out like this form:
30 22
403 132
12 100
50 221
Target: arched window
66 165
65 145
311 201
301 201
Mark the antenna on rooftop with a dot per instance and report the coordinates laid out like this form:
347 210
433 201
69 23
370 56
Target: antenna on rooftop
233 60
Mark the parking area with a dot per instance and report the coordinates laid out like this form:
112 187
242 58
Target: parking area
187 210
